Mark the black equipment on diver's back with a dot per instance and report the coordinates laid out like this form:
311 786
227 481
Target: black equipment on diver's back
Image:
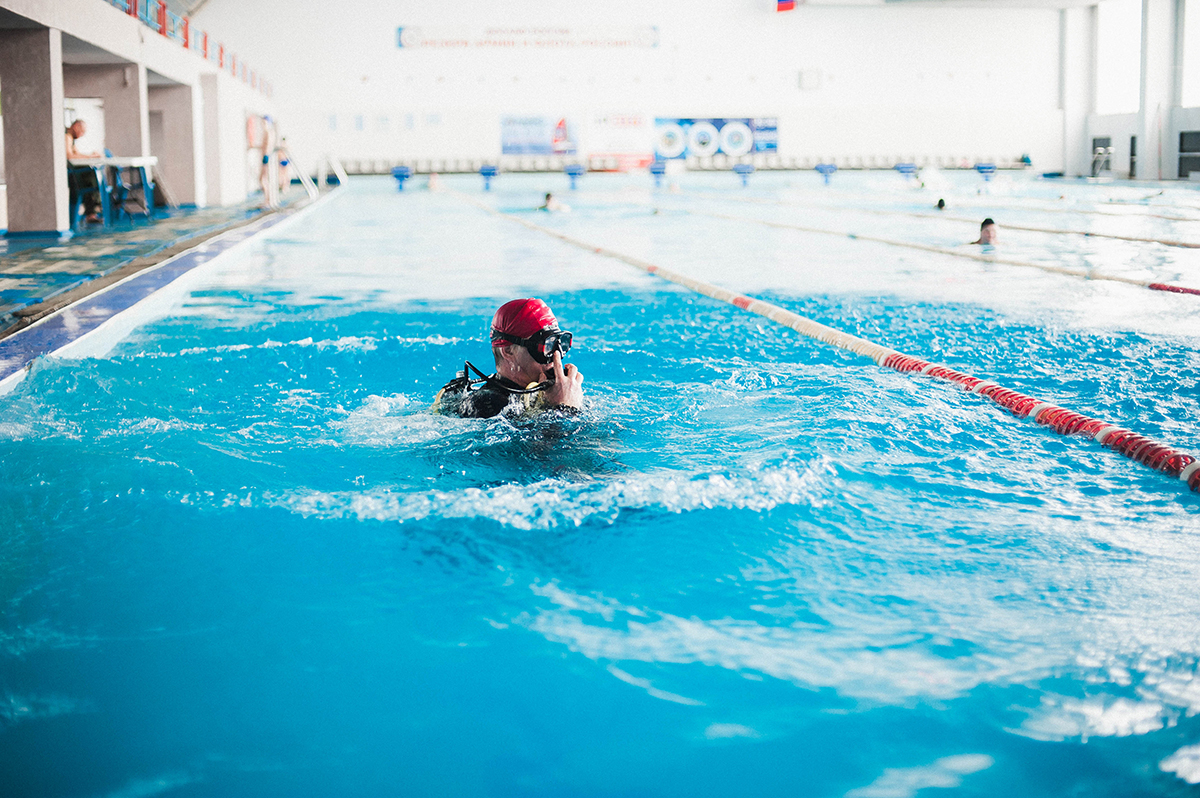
484 397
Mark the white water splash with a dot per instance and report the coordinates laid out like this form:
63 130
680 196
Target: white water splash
725 731
1184 763
946 773
651 690
1062 718
553 503
16 709
158 785
388 421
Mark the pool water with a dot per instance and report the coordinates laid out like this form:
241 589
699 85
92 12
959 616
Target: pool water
238 556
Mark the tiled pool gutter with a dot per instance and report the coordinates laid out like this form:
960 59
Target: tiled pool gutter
71 315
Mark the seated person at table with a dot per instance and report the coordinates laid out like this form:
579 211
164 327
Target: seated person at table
76 131
82 184
530 377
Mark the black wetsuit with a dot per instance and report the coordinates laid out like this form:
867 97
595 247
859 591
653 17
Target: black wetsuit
485 401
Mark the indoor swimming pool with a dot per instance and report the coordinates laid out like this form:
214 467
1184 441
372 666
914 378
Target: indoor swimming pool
240 557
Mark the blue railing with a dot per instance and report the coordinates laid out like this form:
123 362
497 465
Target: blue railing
177 28
155 15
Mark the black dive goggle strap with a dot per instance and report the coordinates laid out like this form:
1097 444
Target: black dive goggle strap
541 345
468 383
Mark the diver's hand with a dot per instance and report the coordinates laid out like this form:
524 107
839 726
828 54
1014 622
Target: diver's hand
565 390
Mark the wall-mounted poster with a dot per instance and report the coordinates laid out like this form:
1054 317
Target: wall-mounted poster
624 137
537 135
679 138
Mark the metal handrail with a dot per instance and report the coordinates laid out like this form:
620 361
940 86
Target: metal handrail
309 186
338 170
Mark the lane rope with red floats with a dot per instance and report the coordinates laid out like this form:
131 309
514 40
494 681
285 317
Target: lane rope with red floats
1134 209
943 216
983 258
1139 448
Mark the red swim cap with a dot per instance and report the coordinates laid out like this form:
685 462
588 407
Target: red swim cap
521 318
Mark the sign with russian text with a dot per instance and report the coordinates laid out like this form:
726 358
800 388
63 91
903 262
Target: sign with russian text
624 137
537 135
550 37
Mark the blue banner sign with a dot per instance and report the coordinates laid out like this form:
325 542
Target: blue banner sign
679 138
537 135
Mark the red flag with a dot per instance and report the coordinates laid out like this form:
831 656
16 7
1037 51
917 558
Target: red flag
785 5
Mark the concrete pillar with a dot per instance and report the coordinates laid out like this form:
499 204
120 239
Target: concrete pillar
1076 85
122 87
176 142
226 103
212 138
1158 148
35 150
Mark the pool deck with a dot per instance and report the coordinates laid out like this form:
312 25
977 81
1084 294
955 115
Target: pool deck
41 276
93 276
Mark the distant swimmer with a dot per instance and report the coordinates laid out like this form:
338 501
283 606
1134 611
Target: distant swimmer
553 205
530 377
987 232
941 206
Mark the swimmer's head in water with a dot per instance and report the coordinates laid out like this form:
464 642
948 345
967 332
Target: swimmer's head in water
987 231
529 323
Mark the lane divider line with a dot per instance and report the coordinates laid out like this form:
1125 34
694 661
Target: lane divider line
1073 211
1146 451
1085 274
1169 242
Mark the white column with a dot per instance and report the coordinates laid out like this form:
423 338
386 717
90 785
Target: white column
35 149
1077 85
1158 145
212 138
177 142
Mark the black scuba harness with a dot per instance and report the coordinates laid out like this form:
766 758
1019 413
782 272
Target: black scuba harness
463 382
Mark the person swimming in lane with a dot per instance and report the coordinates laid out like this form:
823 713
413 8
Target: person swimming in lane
987 233
552 205
530 377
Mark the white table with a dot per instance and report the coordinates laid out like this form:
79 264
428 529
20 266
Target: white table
100 166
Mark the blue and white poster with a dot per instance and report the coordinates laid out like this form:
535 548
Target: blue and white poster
537 135
679 138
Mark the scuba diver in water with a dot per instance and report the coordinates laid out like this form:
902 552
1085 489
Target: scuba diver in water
528 348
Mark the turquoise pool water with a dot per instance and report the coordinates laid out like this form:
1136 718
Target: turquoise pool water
239 557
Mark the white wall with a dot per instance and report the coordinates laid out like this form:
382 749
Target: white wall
1118 56
1190 88
904 80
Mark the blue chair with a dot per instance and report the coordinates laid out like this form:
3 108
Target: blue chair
658 169
574 171
130 200
744 170
488 171
401 173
